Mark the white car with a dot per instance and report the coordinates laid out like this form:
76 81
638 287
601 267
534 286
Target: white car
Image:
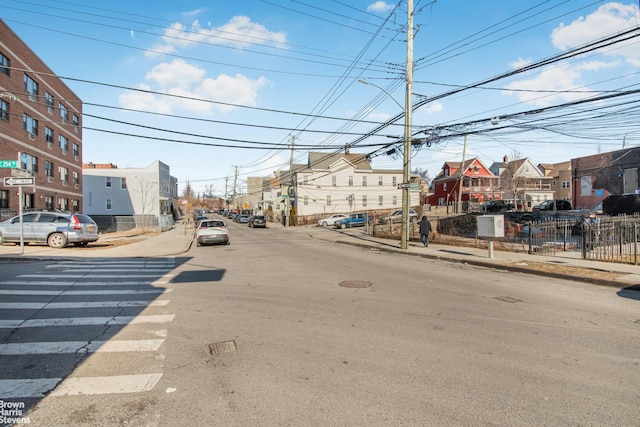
331 221
212 231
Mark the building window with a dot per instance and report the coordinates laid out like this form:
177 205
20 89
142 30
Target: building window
75 149
5 64
4 199
48 169
48 136
123 183
380 200
553 183
4 110
108 204
566 184
31 87
394 181
306 200
64 113
76 178
305 180
334 181
76 205
64 144
108 181
350 181
444 186
48 202
364 200
28 162
48 101
380 181
29 124
364 181
64 174
76 121
395 200
328 200
63 204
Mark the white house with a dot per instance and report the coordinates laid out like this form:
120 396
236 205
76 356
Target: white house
338 183
148 195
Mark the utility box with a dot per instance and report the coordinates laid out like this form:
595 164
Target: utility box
491 226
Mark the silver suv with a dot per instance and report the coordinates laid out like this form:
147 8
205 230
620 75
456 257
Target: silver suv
56 229
396 217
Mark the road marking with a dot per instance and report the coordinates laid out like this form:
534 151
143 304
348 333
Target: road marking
63 347
94 304
107 292
106 385
86 321
26 387
83 283
106 270
80 276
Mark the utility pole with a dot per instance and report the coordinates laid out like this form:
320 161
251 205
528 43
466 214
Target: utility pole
404 231
291 192
464 154
226 202
235 181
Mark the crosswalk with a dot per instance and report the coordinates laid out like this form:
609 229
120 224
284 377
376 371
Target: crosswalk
79 319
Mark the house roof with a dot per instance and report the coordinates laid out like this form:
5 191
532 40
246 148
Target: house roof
325 160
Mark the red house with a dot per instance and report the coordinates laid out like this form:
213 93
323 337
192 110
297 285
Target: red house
478 184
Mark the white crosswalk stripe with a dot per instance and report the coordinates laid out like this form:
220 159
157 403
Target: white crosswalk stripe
126 293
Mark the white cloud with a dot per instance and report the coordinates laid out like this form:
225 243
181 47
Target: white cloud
434 107
560 77
519 63
608 19
240 32
379 6
188 84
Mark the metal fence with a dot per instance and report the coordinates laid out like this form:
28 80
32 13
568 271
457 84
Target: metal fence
609 239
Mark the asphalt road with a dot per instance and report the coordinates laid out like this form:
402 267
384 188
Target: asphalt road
288 330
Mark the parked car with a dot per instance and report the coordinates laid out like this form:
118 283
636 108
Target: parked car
496 206
212 231
353 220
396 217
242 219
56 229
553 205
331 221
257 221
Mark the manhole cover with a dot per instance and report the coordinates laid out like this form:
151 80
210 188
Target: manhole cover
355 284
508 299
222 347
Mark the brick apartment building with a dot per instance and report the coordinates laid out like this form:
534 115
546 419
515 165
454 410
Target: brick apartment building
40 128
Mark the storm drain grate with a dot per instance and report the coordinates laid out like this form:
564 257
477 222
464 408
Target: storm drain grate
508 299
222 347
355 284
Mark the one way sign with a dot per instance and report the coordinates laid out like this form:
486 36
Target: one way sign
13 181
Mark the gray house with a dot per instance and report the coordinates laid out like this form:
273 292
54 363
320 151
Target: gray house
121 199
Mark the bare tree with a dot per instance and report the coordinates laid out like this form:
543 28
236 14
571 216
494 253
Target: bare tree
148 200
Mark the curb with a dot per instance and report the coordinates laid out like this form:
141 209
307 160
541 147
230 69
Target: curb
497 266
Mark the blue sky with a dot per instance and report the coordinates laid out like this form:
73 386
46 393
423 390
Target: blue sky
207 86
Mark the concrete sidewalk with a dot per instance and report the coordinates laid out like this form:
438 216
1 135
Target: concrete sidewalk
179 240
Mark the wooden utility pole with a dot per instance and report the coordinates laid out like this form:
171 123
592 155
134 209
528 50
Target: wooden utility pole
291 191
235 181
464 154
408 108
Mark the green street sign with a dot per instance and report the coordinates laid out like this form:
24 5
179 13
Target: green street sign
8 164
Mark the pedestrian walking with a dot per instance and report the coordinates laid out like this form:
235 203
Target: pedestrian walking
425 229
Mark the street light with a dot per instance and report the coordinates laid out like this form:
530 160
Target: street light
404 229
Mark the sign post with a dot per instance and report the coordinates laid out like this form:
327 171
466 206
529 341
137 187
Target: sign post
13 181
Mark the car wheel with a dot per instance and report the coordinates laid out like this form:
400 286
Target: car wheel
57 240
198 244
343 226
324 223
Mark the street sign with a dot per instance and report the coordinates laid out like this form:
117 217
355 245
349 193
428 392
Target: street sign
403 185
13 181
7 164
22 173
